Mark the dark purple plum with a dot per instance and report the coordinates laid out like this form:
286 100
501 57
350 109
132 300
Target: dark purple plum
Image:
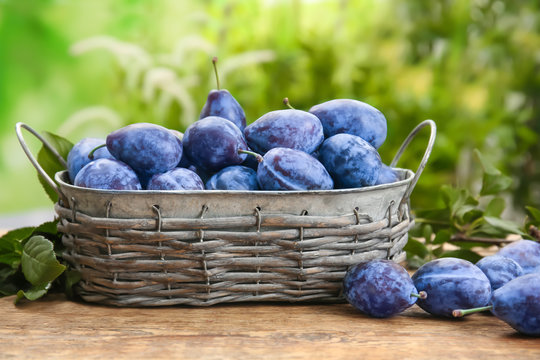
517 303
450 284
214 143
352 117
290 128
107 174
290 169
351 161
499 270
147 148
236 177
525 252
379 288
78 155
176 179
221 103
387 175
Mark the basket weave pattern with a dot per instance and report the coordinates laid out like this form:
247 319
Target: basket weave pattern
161 261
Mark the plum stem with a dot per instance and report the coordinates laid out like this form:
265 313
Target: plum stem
257 156
420 295
91 153
463 312
214 62
286 102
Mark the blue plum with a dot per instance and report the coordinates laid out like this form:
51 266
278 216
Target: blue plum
517 303
236 177
290 169
352 117
387 175
379 288
499 270
176 179
78 155
214 143
147 148
107 174
450 284
290 128
525 252
221 103
351 161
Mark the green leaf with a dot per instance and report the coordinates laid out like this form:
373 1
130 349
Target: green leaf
458 200
493 181
50 163
463 254
72 277
34 293
39 263
495 207
442 237
506 226
415 247
533 213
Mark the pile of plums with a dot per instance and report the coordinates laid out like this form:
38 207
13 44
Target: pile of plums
331 146
506 283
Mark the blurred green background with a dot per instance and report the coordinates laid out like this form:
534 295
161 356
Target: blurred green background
85 68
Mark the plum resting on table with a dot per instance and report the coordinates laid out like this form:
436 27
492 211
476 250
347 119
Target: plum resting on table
78 155
351 161
287 128
525 252
352 117
450 284
236 177
290 169
176 179
213 143
499 270
147 148
107 174
379 288
517 303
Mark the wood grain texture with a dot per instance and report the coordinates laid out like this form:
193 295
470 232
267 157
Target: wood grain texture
56 328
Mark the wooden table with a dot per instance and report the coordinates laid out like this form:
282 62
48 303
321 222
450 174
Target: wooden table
57 328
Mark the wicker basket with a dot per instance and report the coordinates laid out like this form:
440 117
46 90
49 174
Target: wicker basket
157 248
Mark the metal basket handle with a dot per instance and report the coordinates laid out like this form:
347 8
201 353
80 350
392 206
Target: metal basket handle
18 129
425 158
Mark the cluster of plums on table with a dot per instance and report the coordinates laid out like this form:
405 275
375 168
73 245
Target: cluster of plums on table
506 283
334 145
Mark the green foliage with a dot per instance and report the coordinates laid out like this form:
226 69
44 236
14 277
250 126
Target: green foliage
466 221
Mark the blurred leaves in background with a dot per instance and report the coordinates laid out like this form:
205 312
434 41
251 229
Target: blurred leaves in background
85 68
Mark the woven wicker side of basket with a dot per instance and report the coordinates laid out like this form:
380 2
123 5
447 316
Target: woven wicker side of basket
205 261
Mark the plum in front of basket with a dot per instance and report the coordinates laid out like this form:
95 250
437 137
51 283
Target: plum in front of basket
380 288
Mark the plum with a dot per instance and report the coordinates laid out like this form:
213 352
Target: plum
380 288
221 103
107 174
147 148
525 252
351 161
236 177
78 155
387 175
290 169
214 143
517 303
499 270
352 117
176 179
451 283
290 128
